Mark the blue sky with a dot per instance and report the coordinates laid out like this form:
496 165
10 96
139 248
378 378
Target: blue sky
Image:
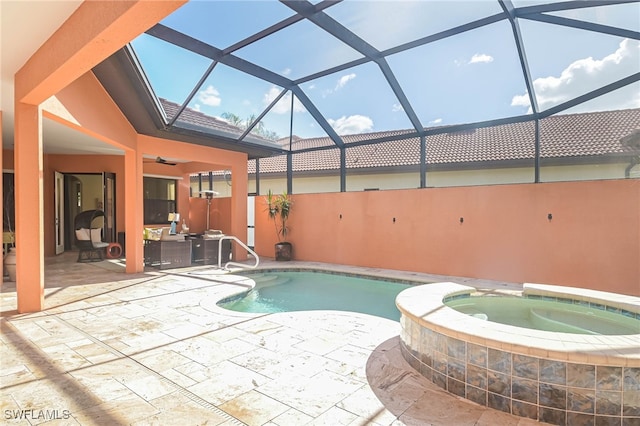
470 77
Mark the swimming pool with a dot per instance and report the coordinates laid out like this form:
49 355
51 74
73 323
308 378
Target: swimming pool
308 291
566 316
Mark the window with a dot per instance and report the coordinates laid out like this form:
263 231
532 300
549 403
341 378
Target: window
159 200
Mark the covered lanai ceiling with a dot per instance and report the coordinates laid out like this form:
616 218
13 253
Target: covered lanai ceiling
251 75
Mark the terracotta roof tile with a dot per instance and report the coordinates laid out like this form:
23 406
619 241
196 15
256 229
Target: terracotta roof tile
561 136
196 118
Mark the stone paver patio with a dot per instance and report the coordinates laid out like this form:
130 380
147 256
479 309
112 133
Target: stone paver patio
154 349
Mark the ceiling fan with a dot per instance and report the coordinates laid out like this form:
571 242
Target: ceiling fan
161 160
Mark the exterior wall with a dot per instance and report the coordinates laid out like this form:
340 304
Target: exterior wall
592 240
79 164
438 179
585 172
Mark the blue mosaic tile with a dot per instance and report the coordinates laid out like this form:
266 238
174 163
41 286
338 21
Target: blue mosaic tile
579 419
476 376
456 387
525 366
553 372
631 378
524 390
499 383
477 355
631 403
628 314
581 375
498 402
457 369
523 409
609 403
608 378
612 309
551 416
479 396
552 396
609 421
499 361
456 348
581 400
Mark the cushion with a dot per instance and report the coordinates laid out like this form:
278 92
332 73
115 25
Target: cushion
96 235
82 234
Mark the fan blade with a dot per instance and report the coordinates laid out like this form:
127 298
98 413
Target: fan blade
161 160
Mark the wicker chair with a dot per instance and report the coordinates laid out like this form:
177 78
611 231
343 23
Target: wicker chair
88 239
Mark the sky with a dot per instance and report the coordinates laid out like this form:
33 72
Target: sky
470 77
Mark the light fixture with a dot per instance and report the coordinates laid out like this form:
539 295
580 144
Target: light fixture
209 194
173 218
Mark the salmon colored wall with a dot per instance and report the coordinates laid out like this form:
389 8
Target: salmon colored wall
79 164
592 240
89 109
220 215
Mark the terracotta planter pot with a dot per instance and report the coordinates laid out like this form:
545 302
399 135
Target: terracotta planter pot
283 251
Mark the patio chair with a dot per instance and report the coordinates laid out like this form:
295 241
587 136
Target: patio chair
87 238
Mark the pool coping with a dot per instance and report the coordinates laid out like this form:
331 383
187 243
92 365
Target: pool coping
424 305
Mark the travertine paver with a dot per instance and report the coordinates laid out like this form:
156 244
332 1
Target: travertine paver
153 348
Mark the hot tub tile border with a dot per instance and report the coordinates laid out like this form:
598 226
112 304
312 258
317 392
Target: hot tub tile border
598 396
582 398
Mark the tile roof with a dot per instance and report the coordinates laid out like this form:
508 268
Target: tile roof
191 117
567 136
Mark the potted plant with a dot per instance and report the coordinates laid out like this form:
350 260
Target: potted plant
278 208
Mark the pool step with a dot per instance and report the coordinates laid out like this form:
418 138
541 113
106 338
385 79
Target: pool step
269 280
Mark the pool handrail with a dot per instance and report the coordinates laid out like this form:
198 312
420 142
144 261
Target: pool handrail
241 265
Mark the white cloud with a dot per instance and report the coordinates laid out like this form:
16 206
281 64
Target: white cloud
286 71
436 121
344 80
396 108
284 104
352 124
196 107
585 75
479 58
210 96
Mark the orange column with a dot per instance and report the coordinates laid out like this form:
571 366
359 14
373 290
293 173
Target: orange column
29 208
239 181
133 208
92 33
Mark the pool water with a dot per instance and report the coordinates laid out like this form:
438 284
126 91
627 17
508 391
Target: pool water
546 315
309 291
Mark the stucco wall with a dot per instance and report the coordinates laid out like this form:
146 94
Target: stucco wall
592 240
357 181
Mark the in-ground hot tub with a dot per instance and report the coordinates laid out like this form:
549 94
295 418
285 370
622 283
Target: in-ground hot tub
557 377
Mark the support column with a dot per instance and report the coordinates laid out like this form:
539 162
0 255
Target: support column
133 208
239 183
29 208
